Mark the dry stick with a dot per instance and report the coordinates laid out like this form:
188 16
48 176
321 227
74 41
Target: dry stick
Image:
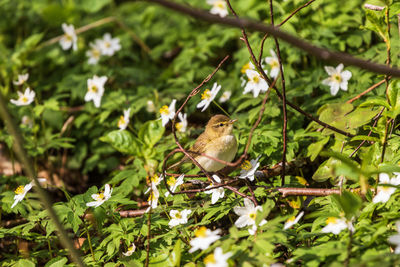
278 51
373 7
367 91
322 53
30 171
280 24
79 30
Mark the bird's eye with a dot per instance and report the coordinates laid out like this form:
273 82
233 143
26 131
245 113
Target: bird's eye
221 124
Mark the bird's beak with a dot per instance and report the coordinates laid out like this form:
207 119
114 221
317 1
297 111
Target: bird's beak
232 121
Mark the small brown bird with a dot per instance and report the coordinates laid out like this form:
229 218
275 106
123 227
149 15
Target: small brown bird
216 141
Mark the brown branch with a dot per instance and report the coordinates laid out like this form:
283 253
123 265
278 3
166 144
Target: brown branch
278 52
366 91
287 191
319 52
373 7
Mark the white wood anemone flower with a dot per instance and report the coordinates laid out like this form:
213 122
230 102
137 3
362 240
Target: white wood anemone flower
22 78
335 225
248 216
208 96
217 193
174 183
273 62
249 168
69 39
153 198
109 45
255 83
217 259
225 96
21 191
338 79
167 113
293 220
395 239
385 192
182 125
130 250
95 89
203 238
154 180
101 197
94 53
178 217
25 98
218 7
124 120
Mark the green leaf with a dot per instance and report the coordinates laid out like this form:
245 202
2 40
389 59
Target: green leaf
315 148
123 141
349 202
377 101
92 6
175 256
151 132
25 263
57 262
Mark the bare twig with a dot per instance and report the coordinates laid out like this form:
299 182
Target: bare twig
366 91
373 7
278 52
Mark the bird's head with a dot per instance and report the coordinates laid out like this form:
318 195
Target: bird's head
219 125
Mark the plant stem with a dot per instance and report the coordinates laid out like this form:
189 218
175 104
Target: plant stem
223 110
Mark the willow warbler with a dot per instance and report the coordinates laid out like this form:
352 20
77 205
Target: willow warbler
216 141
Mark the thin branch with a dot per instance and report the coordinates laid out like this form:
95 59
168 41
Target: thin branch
373 7
366 91
278 52
322 53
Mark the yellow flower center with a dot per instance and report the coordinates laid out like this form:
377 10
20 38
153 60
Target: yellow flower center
178 215
253 216
93 89
154 179
121 121
254 79
201 232
131 248
384 188
24 99
294 204
245 67
171 181
107 44
68 37
337 77
291 219
179 126
246 165
100 196
152 197
331 220
164 110
220 4
274 64
210 259
96 53
206 94
20 190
